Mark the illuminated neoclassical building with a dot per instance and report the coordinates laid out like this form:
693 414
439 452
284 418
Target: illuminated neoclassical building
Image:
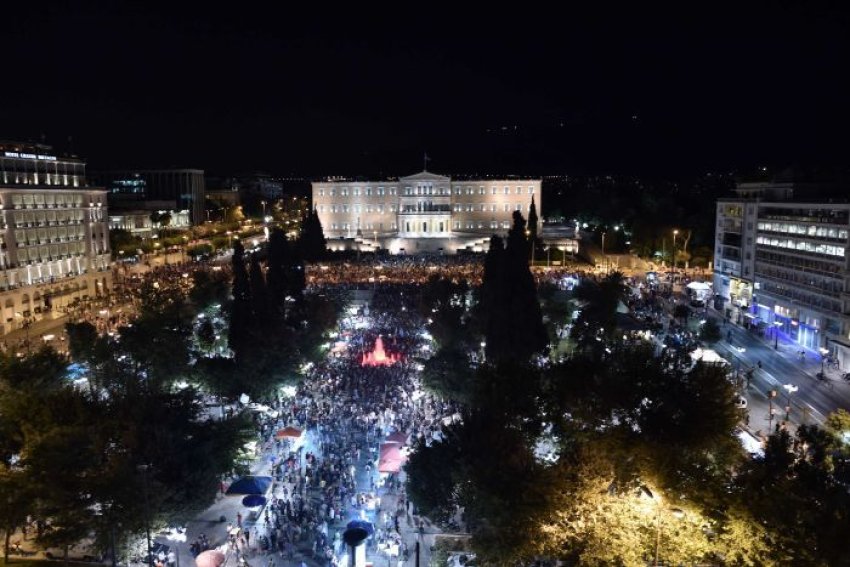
422 212
54 235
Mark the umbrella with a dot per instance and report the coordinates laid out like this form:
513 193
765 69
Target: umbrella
210 558
391 459
361 524
250 485
253 500
290 431
397 437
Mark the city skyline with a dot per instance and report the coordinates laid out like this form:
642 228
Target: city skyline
236 92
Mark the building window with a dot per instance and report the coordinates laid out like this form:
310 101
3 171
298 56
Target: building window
531 190
519 206
507 190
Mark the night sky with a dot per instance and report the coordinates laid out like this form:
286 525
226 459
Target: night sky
242 90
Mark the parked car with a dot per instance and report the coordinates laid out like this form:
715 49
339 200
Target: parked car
83 551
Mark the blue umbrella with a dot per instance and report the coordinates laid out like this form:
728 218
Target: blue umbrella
253 500
250 485
362 524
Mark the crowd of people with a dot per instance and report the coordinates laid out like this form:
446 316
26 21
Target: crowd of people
330 476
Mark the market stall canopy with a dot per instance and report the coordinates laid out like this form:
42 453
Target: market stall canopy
707 355
699 286
210 558
253 500
291 432
362 525
250 485
391 459
397 437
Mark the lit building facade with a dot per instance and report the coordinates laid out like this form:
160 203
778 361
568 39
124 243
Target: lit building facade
782 265
186 188
54 236
422 212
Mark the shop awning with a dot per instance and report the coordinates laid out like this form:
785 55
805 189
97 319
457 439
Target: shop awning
250 485
391 460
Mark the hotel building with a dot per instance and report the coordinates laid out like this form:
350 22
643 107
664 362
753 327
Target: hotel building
54 239
424 212
781 264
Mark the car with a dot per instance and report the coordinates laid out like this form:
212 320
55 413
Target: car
83 551
462 560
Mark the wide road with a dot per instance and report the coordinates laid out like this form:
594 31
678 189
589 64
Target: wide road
817 398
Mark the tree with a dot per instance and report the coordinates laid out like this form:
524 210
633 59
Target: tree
533 240
513 324
599 303
447 374
205 336
277 260
312 239
82 338
551 465
444 303
208 288
239 332
710 331
260 303
681 312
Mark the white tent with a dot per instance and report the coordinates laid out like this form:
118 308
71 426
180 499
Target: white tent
699 286
707 355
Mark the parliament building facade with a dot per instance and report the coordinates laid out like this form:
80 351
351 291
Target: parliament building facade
424 212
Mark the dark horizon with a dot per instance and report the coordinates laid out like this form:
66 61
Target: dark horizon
649 94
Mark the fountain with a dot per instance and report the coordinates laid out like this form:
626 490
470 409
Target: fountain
378 357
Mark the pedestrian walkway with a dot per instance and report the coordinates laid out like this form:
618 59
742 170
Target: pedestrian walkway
329 476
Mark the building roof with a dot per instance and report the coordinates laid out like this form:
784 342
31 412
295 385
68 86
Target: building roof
425 176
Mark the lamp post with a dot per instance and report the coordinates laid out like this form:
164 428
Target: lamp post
144 470
183 250
263 203
563 250
229 239
26 322
776 325
548 250
675 233
789 389
823 352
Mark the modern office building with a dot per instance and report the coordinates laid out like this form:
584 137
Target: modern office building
54 237
422 212
184 188
781 265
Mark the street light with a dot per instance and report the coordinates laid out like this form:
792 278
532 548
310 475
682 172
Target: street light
263 203
144 470
660 507
563 250
789 389
26 322
548 250
675 233
776 325
823 353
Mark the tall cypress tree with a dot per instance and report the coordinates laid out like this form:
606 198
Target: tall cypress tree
532 225
240 311
277 273
312 240
514 328
259 295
